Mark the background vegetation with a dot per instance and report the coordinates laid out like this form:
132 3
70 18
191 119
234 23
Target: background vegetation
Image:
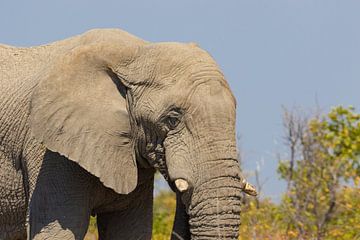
321 168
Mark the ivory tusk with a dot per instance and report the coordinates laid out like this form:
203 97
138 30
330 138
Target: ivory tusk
181 184
248 188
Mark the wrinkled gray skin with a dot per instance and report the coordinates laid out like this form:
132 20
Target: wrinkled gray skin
85 121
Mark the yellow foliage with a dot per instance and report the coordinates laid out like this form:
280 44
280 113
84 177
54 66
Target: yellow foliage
163 217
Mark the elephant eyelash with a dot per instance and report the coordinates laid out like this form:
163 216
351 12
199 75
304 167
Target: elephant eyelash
172 122
172 118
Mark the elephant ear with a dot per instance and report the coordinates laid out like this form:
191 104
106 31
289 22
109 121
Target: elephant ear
78 109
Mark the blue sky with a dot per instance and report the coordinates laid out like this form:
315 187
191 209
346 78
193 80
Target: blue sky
273 53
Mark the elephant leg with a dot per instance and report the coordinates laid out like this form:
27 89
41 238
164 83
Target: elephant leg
12 201
135 221
60 204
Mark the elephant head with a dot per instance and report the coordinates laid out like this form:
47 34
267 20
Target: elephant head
114 103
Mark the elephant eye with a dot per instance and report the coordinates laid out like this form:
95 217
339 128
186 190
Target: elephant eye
173 122
172 119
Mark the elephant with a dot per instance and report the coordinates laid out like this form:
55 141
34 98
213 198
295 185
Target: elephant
84 124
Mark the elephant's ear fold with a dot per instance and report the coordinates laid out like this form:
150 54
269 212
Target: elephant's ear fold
78 109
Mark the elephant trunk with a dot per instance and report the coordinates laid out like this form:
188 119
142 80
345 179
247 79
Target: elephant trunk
203 167
213 199
214 212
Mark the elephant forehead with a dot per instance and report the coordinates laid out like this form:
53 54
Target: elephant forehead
175 70
190 66
209 89
213 97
